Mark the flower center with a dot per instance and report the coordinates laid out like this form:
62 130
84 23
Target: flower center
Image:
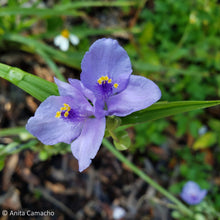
105 80
64 111
70 115
105 86
65 33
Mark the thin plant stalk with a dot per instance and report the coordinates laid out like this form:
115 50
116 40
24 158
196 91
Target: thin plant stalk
146 178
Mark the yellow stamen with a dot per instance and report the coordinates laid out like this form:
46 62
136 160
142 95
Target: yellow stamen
100 81
103 79
65 33
116 85
106 78
65 108
58 114
66 114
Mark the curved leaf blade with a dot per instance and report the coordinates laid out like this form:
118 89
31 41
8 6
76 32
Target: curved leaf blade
165 109
41 89
35 86
72 59
71 9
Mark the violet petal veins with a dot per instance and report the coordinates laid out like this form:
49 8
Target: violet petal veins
192 194
77 116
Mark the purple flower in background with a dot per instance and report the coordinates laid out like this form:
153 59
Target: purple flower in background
192 194
77 116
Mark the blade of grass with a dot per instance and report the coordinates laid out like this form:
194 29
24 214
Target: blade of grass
12 131
67 9
41 89
42 12
14 147
146 178
165 109
86 4
70 59
35 86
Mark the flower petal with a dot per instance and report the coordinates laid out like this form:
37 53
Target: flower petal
190 187
64 46
86 92
106 57
202 194
76 92
139 94
74 39
57 40
86 146
61 42
49 129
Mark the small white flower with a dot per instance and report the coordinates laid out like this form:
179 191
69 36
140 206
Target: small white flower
118 212
62 40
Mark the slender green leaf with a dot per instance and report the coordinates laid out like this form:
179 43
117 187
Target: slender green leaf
165 109
72 59
12 131
35 86
41 89
4 11
15 147
146 178
65 9
82 4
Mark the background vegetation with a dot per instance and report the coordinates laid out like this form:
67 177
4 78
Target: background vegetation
174 43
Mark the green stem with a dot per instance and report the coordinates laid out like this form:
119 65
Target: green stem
146 178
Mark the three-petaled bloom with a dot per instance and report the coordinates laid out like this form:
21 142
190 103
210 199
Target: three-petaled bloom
192 194
107 87
62 40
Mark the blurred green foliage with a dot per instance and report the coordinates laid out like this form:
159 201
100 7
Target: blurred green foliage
174 43
179 46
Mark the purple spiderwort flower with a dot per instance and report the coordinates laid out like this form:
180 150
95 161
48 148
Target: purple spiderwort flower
192 194
77 116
